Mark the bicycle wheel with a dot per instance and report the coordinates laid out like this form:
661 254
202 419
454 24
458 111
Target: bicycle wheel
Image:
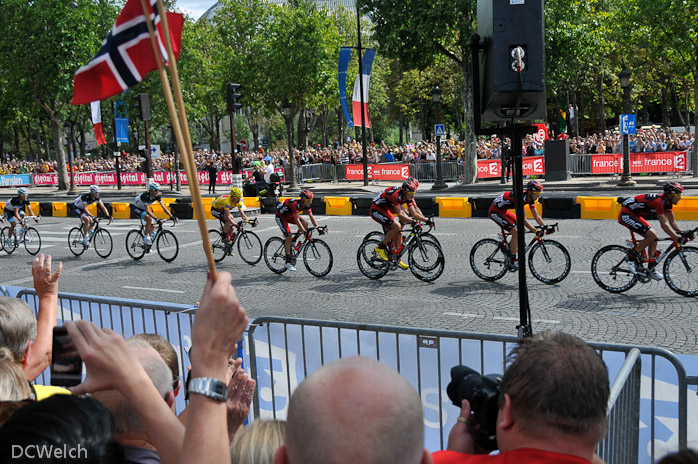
167 245
377 235
370 264
610 270
681 271
250 247
8 247
317 258
549 261
218 244
488 260
2 238
275 255
103 243
32 240
75 237
134 244
426 260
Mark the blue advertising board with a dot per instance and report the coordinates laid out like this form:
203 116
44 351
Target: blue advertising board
627 124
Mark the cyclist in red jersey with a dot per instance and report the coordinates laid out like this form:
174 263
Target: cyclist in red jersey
632 216
387 211
500 212
289 212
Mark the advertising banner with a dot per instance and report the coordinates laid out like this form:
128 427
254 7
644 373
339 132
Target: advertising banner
532 166
674 161
378 171
15 180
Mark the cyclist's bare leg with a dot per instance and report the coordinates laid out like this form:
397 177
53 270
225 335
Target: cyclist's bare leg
649 240
394 233
86 224
287 244
228 223
149 225
10 234
514 242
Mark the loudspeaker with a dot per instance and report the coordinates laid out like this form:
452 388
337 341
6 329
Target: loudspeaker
505 25
557 160
144 106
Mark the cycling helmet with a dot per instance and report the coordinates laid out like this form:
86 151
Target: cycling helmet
236 192
95 189
22 191
534 186
411 184
306 194
153 186
672 186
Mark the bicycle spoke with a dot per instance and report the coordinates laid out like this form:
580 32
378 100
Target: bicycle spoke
610 270
317 258
488 260
549 262
681 271
250 247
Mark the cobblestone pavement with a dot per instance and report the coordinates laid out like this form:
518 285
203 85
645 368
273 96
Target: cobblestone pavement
649 314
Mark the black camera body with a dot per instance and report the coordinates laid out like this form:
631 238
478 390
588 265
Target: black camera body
482 392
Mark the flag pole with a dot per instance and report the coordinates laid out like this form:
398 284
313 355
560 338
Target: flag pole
188 158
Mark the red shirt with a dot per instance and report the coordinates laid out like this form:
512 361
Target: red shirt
517 456
642 205
506 201
290 207
393 196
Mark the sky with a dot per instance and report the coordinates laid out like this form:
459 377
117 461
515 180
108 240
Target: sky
195 8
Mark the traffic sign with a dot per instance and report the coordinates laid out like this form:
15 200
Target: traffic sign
155 152
243 145
627 124
439 130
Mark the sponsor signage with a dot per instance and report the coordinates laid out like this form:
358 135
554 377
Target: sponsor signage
378 171
532 166
639 162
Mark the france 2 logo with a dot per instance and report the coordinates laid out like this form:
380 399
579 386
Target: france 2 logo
405 172
494 171
680 162
538 166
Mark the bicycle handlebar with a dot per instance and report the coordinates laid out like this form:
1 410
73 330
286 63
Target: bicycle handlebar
549 228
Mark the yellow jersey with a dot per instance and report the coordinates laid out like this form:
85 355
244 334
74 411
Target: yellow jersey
226 202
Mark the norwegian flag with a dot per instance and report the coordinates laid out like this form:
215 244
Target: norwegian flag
126 55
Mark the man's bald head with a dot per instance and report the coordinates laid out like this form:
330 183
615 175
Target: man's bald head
355 410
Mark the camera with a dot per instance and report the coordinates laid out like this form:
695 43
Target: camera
482 392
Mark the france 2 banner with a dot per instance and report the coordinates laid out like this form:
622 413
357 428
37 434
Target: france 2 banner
639 162
532 166
378 171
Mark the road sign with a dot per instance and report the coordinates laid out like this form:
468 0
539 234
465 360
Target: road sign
439 130
155 152
627 124
243 145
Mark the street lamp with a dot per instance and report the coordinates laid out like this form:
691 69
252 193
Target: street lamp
67 126
287 113
436 100
626 179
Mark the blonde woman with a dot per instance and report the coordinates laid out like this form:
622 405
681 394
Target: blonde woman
258 442
14 385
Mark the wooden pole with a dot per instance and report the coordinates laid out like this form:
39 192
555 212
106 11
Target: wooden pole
185 145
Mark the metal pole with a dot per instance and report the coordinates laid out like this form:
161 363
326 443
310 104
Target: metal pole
361 90
292 183
626 179
524 328
116 146
72 190
148 157
439 184
233 141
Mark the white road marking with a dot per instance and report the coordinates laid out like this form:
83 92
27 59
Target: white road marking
463 315
154 289
544 321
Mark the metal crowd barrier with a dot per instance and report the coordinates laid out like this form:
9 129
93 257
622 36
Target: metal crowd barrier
284 351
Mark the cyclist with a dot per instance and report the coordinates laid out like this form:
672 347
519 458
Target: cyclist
141 208
500 212
80 208
387 210
290 212
14 211
222 210
632 216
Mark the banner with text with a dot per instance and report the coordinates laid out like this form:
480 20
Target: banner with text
532 166
378 171
674 161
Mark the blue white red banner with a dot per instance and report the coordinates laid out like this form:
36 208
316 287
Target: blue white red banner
342 67
367 65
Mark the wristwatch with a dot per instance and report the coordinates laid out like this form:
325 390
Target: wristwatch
207 386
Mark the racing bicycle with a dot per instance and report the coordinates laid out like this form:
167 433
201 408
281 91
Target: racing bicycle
424 255
164 240
548 260
378 235
249 244
609 267
98 237
23 234
317 255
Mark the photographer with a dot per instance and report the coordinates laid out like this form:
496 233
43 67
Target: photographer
551 406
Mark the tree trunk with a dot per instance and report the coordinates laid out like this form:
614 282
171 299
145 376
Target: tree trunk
72 141
2 143
27 136
44 141
470 154
17 152
301 130
400 124
582 126
325 135
60 155
602 102
666 118
677 116
340 127
81 131
645 111
694 148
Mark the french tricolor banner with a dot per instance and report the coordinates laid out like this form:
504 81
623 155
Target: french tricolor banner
367 64
97 122
342 67
126 55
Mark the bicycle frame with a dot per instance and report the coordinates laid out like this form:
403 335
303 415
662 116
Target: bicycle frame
307 237
645 259
241 229
536 239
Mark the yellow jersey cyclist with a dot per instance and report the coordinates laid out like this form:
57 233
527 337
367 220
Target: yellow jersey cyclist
80 205
14 211
387 210
140 206
222 209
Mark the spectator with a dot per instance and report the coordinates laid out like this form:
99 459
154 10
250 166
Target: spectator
355 410
268 170
14 385
29 337
687 456
212 176
81 426
258 442
552 406
166 352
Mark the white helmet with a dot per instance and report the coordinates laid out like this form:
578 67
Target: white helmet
95 189
153 186
22 191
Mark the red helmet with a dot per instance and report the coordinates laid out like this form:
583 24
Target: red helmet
672 186
306 194
411 184
534 186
